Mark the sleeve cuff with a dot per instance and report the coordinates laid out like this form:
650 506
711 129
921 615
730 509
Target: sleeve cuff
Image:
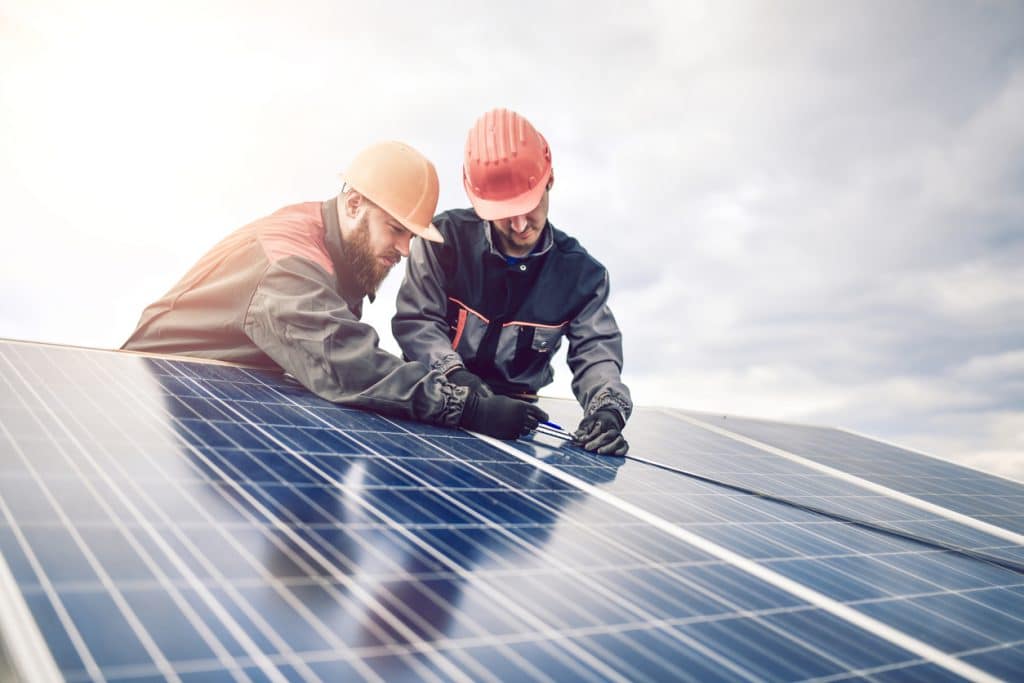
614 400
447 363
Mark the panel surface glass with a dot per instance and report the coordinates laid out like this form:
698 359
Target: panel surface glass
166 518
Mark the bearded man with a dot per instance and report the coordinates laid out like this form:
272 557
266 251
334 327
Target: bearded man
287 291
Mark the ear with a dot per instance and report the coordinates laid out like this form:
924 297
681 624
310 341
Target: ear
551 179
352 201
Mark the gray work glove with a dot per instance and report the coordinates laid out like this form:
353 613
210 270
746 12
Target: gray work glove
465 378
500 416
601 432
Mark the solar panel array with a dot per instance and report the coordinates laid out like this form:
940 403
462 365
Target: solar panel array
170 519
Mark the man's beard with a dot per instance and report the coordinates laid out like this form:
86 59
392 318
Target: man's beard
364 267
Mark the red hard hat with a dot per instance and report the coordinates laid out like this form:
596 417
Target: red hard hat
507 165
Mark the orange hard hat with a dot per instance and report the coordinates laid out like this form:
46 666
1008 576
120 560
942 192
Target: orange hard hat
507 165
399 180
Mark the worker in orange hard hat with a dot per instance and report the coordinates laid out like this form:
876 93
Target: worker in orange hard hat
490 305
287 291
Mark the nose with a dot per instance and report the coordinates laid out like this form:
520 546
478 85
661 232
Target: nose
402 244
518 223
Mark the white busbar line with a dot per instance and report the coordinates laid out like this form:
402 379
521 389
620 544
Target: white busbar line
31 658
966 520
808 595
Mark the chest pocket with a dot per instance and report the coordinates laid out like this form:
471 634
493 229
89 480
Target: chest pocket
545 339
465 324
535 346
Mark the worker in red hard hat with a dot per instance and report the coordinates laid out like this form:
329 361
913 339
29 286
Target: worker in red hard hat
490 305
287 291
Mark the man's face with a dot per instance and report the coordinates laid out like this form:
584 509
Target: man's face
518 235
376 244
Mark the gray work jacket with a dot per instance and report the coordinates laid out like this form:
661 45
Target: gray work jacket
277 293
463 303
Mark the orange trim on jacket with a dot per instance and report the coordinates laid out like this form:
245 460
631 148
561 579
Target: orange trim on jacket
462 321
467 308
525 324
459 327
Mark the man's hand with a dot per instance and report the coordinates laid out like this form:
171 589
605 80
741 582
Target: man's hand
465 378
500 416
601 432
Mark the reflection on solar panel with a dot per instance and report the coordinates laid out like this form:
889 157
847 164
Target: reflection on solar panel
191 521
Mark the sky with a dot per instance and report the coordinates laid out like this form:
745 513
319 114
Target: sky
810 211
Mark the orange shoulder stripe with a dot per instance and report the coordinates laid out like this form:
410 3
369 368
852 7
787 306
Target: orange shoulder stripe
467 308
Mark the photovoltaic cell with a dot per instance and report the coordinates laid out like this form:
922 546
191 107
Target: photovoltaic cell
166 518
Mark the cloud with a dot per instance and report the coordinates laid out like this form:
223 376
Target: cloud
995 366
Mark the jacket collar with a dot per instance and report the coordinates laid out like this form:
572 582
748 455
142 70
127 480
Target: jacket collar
547 239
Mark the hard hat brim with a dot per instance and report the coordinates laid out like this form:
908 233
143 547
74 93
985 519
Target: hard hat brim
496 209
427 232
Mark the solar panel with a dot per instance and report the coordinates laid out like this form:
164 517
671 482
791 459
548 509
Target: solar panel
172 519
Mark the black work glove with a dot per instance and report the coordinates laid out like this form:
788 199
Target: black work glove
601 432
500 416
465 378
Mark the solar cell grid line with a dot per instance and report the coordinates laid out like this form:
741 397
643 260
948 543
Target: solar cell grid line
540 626
737 531
525 615
644 442
714 485
872 457
847 517
300 666
988 496
868 624
257 619
961 518
767 654
821 653
23 646
609 595
236 631
286 594
315 555
834 497
139 630
541 492
1017 623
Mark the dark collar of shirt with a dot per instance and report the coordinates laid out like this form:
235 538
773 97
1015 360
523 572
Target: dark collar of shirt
347 287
